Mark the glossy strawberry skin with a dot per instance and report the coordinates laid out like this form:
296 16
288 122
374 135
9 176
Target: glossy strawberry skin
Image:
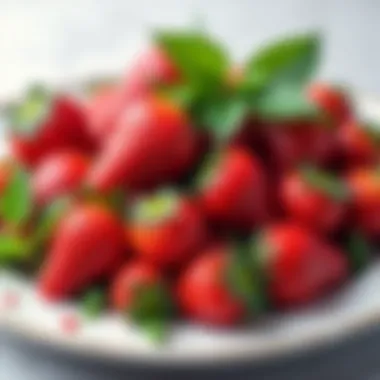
203 293
365 187
129 279
63 128
291 144
235 194
172 241
310 206
300 266
356 146
58 174
103 111
87 243
152 143
333 101
151 68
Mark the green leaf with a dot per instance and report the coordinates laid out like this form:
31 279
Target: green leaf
13 249
245 279
182 95
284 102
94 302
47 222
201 60
222 116
16 201
151 310
359 250
27 116
326 183
288 61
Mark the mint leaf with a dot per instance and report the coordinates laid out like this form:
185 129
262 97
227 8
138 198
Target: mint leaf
201 60
182 95
222 116
289 61
94 302
16 201
245 279
359 250
47 221
326 183
284 102
151 310
13 249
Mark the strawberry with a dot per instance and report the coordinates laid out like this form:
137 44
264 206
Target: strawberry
88 241
166 229
6 170
232 192
299 266
44 123
365 187
334 102
290 144
103 110
139 292
203 292
152 68
356 144
314 198
129 279
57 174
152 143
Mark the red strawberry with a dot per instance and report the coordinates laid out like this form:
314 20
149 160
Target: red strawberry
203 292
152 143
365 186
293 143
103 111
233 190
299 266
314 198
132 277
6 170
333 101
57 174
356 144
87 242
43 124
151 68
166 230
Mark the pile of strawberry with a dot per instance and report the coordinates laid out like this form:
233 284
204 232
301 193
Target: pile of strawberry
192 189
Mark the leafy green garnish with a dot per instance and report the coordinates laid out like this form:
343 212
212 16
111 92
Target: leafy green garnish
223 116
151 310
359 250
48 219
13 249
326 182
246 279
16 200
201 60
288 61
284 103
94 302
272 86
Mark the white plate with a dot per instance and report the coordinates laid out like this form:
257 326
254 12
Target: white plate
355 306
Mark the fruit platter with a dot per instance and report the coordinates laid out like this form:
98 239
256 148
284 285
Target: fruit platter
192 207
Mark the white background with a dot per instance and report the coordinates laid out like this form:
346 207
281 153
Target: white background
59 40
55 40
